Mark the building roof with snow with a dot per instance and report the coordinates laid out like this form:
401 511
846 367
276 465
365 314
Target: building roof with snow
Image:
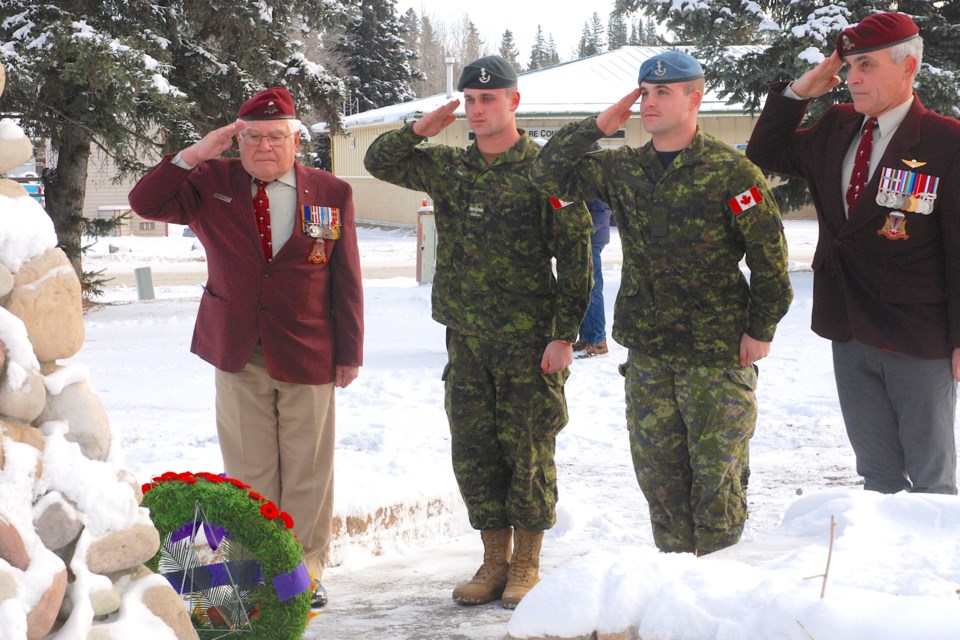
549 99
577 89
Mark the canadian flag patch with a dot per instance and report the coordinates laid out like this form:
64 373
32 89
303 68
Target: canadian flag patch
560 204
749 198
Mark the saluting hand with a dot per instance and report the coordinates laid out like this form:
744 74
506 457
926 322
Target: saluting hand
613 118
213 144
437 120
820 79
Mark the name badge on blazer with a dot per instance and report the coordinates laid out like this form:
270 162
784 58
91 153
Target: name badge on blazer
223 198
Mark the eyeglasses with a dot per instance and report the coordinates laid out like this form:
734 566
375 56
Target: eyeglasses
275 139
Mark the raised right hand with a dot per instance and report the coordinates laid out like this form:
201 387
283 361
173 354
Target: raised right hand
437 120
213 144
819 80
613 118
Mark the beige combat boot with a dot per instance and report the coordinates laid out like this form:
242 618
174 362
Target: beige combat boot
490 579
524 567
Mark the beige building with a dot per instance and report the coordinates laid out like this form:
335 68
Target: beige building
549 99
107 198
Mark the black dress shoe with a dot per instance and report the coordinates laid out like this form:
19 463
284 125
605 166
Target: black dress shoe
319 597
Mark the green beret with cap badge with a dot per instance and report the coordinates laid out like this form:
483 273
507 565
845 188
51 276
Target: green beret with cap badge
489 72
670 66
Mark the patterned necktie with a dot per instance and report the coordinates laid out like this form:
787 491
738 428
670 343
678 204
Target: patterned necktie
261 207
861 165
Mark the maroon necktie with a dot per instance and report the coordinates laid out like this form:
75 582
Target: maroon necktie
261 207
861 164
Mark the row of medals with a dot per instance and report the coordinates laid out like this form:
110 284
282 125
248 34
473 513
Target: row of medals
911 204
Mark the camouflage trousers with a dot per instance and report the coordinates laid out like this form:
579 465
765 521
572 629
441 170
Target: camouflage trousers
690 435
504 416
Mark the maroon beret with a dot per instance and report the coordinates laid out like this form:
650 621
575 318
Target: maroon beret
272 104
879 31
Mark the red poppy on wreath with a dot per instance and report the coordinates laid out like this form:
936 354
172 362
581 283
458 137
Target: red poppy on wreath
257 496
287 519
269 510
237 483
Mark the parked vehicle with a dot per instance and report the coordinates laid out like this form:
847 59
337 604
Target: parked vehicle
35 189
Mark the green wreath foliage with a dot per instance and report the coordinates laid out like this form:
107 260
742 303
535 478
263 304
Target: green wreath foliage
255 527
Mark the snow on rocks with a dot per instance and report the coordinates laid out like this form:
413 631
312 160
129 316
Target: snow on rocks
73 538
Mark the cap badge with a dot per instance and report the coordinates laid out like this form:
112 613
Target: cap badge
848 43
271 108
484 76
660 70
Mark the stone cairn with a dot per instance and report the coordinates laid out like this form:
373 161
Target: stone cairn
73 539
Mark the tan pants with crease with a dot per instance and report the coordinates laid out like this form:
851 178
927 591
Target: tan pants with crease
279 438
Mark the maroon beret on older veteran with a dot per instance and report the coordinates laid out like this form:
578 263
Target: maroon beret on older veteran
272 104
879 31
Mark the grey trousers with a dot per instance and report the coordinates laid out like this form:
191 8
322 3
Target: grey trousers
899 415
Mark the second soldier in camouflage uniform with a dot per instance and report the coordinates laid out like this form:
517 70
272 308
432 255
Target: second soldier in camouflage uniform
688 208
510 322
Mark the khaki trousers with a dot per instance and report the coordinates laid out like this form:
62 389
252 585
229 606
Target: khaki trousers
279 438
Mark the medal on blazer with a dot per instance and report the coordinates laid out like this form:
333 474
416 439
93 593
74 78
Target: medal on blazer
318 253
908 190
320 222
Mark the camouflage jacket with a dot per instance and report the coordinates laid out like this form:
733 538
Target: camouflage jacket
496 236
683 297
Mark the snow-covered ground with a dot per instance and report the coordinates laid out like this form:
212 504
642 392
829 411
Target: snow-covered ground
896 563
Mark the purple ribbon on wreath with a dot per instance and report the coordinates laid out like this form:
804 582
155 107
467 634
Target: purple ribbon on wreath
291 584
214 533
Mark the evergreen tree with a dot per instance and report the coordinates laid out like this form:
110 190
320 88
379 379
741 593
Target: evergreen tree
411 32
134 76
552 57
472 47
509 51
795 36
591 38
538 52
431 61
616 31
379 69
636 33
650 36
587 46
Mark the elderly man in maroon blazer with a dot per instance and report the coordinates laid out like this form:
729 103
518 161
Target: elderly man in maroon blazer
281 317
884 175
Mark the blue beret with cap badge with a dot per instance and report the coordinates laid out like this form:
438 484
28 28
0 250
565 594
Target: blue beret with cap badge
670 66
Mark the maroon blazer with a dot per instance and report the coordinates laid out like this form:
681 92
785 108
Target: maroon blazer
897 291
309 317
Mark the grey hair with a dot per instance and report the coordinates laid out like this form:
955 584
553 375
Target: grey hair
914 47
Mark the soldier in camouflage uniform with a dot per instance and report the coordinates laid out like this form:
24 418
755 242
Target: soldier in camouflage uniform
510 322
688 208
